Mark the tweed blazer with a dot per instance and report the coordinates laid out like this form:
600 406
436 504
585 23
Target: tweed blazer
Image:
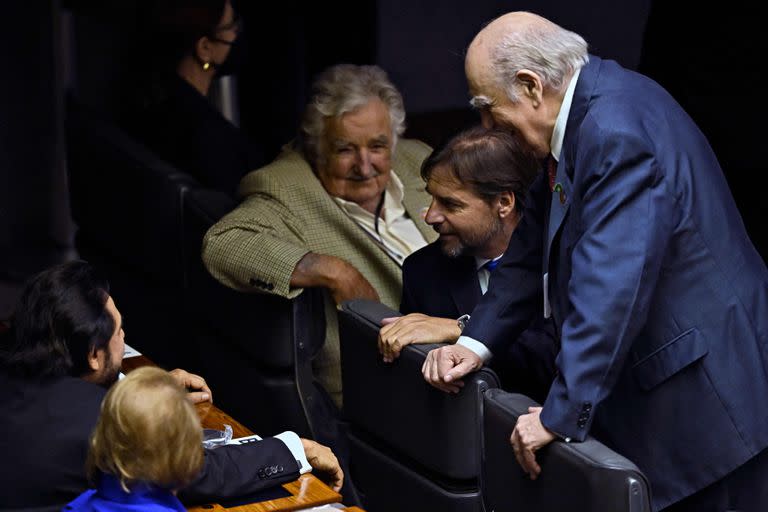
286 213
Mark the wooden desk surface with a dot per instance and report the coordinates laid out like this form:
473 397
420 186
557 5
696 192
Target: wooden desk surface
307 491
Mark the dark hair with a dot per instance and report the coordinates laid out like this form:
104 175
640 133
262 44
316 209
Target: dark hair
491 161
59 319
173 28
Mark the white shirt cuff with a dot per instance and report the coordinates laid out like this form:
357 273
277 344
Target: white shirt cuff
476 347
292 441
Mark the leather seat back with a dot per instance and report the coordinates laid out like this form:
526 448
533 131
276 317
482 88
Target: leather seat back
578 477
255 348
429 441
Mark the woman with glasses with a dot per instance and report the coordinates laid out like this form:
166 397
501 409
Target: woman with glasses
188 43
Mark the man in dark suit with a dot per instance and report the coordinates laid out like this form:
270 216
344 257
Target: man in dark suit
478 182
658 296
64 349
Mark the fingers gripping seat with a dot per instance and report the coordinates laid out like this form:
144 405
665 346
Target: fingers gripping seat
575 477
413 447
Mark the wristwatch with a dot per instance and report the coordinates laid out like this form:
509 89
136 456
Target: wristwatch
463 321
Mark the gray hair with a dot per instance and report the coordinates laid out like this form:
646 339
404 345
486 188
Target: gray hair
547 49
343 88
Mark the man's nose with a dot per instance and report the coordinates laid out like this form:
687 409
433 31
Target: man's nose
364 165
434 215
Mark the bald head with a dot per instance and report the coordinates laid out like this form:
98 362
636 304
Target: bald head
523 40
518 68
509 23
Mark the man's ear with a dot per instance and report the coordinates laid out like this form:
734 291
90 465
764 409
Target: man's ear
531 86
96 359
505 203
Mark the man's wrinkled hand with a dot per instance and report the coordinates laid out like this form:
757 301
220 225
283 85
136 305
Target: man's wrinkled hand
198 389
528 436
414 328
351 284
322 459
445 366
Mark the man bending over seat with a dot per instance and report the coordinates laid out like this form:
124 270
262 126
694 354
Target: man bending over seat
478 182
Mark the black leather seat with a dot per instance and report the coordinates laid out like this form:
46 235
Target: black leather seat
577 477
127 204
142 221
413 447
256 349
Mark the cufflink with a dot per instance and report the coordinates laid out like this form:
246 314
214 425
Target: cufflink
462 322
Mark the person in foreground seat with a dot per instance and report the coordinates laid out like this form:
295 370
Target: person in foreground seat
478 182
62 353
146 445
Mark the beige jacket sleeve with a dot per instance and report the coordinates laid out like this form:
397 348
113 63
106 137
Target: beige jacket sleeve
256 247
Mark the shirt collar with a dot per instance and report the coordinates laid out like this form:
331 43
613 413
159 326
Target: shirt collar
558 134
479 262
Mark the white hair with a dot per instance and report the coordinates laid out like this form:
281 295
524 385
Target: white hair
547 49
341 89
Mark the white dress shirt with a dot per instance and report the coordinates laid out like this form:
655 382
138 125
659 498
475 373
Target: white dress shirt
397 233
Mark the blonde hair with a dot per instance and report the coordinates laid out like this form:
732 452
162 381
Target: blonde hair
147 432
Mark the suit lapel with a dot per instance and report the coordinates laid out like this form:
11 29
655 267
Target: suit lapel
563 193
561 200
464 286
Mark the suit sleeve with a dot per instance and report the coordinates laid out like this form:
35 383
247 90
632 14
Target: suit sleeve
514 293
408 302
238 470
256 247
625 219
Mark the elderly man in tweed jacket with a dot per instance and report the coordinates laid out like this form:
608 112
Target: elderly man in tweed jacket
341 211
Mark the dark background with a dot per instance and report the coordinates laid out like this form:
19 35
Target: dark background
708 60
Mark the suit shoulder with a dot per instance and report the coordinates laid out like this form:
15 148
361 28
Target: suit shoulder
425 259
86 393
289 169
413 147
409 154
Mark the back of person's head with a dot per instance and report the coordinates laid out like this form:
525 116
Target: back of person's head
148 432
490 161
60 318
538 45
343 88
173 27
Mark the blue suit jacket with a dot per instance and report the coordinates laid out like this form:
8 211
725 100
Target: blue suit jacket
437 285
659 297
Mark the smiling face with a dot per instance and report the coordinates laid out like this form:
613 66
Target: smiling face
465 221
356 155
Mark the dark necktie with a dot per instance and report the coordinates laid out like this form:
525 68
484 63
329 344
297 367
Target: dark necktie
490 265
551 172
